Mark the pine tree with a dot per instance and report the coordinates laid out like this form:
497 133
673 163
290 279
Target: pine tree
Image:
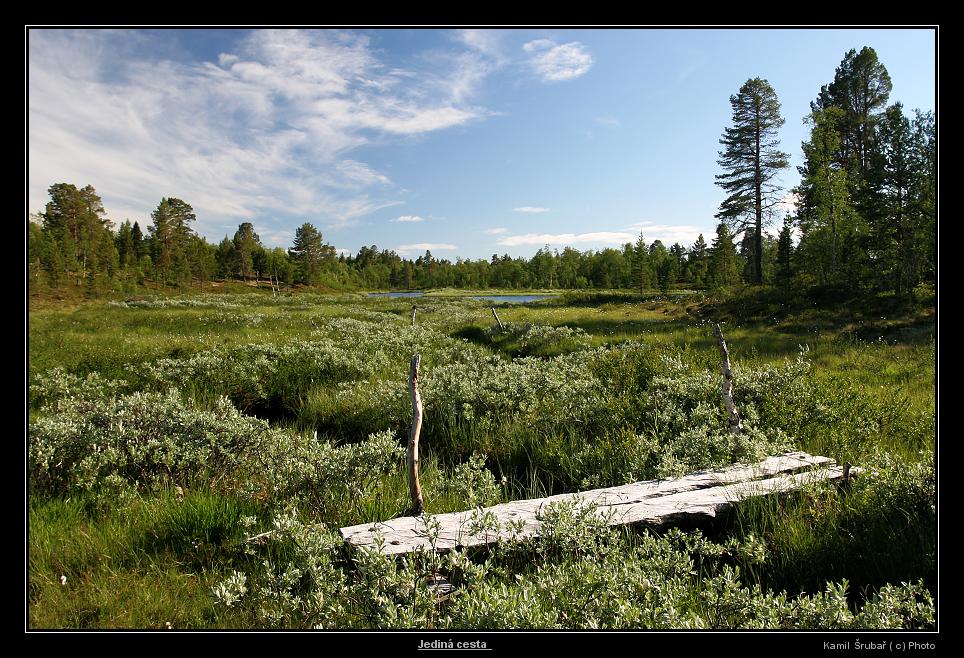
860 89
75 222
826 213
246 245
171 235
310 253
752 161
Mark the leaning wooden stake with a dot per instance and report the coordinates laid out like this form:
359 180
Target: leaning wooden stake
734 415
413 483
501 328
414 309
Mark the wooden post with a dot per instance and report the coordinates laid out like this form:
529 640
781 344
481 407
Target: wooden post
734 415
414 309
501 327
413 484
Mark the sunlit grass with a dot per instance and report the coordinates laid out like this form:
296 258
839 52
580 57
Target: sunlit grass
151 559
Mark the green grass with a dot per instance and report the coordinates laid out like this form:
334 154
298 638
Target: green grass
152 557
142 563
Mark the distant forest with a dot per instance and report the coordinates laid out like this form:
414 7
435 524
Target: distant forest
866 221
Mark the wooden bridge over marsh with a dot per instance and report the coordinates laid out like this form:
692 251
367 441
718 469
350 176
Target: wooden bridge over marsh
691 500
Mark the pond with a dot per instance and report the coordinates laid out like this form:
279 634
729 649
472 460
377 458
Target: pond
515 299
395 294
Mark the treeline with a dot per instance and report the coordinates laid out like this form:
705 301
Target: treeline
866 216
868 191
73 243
866 221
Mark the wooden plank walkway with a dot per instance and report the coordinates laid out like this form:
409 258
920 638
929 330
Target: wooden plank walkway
692 498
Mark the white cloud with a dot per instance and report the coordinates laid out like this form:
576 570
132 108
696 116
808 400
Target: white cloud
343 252
487 42
276 238
685 234
266 128
496 231
408 218
666 233
554 63
537 45
601 237
419 247
530 209
361 174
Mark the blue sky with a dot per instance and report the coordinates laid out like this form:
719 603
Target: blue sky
465 142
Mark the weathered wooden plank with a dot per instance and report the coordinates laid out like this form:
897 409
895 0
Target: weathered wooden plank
697 496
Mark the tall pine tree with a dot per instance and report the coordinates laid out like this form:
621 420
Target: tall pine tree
310 253
751 161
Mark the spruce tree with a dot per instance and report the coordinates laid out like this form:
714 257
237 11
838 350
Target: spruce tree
698 262
785 252
896 229
724 267
642 272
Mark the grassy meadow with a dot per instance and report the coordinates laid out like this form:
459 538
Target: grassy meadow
190 459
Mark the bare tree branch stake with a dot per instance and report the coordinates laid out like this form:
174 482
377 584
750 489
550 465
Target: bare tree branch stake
414 486
734 415
501 327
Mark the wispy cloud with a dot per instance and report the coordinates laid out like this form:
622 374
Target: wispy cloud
361 174
608 121
531 209
601 237
408 218
685 234
554 63
267 128
407 249
276 238
487 42
496 231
